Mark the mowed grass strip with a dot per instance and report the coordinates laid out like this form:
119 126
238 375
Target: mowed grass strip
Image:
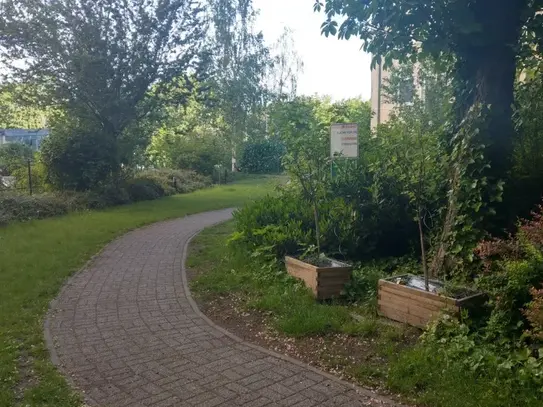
37 257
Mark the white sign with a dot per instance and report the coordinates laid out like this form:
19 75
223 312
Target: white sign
344 140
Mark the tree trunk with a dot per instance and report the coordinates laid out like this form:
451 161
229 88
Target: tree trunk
486 74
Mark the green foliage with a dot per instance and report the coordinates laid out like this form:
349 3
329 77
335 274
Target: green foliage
143 186
534 314
283 225
18 108
479 40
303 125
241 65
360 212
144 189
78 158
190 138
364 283
106 89
512 268
175 181
263 157
38 173
525 180
450 367
13 157
382 222
24 207
273 225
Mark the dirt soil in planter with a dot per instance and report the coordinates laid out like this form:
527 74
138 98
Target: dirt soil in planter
361 360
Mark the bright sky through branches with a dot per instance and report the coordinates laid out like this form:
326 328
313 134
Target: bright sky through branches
332 67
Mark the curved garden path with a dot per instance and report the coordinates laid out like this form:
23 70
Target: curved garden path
126 332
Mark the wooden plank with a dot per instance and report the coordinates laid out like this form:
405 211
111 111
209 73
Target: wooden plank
411 309
413 291
299 263
408 302
405 302
325 282
307 274
399 316
410 295
418 301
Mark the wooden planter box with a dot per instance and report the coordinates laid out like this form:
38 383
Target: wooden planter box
418 307
325 282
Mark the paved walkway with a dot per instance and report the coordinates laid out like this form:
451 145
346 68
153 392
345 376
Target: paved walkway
127 332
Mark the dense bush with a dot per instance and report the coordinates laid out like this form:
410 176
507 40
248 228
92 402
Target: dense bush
146 185
153 184
512 268
78 159
13 157
353 225
196 151
38 174
24 207
144 189
262 158
452 367
382 223
534 315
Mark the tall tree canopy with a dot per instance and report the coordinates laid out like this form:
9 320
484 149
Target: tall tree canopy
241 61
482 38
103 62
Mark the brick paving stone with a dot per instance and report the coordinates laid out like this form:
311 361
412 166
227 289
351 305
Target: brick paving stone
126 333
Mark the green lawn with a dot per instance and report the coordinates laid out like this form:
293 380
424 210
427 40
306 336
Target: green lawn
37 257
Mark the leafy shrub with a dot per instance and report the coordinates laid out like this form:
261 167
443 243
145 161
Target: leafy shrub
14 156
363 285
534 314
38 173
144 189
199 150
175 181
382 225
453 367
78 158
146 185
359 219
25 207
262 158
275 225
512 267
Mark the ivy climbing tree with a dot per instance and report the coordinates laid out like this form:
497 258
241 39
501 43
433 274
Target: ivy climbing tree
481 42
482 39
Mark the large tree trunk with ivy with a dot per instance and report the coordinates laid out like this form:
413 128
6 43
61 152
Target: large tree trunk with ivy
485 75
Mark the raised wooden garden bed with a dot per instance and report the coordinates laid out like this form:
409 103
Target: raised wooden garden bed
326 282
416 306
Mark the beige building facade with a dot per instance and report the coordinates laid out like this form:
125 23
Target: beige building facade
380 103
380 106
